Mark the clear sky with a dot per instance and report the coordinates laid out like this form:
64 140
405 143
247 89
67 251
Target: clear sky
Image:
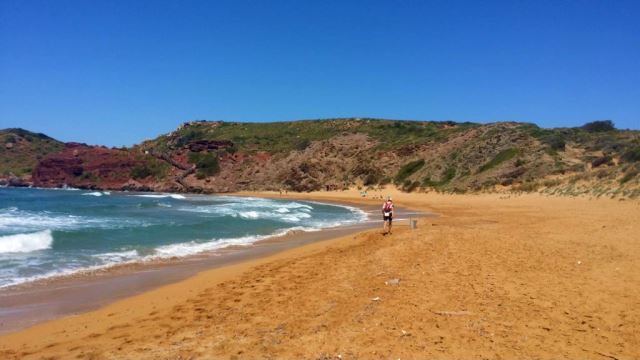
117 72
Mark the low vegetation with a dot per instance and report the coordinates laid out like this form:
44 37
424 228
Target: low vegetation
206 163
408 170
599 126
20 150
151 167
502 156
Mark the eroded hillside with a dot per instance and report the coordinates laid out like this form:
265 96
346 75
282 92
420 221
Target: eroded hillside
204 156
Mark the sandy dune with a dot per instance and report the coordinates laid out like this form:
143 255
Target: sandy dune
492 277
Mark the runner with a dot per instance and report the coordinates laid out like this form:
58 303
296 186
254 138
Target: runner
387 215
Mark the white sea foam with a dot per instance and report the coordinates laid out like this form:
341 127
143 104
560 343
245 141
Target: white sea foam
252 209
292 212
26 242
64 188
98 193
111 259
95 193
118 257
13 219
195 247
162 196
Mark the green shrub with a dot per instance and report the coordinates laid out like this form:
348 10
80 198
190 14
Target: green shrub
206 164
498 159
527 187
190 134
446 177
556 142
140 172
449 174
409 186
371 179
408 170
302 144
87 176
231 149
428 182
151 167
599 126
631 155
551 183
628 176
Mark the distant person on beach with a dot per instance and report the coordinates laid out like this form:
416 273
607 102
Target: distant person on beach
387 215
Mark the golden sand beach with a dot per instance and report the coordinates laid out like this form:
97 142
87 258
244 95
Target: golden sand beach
493 276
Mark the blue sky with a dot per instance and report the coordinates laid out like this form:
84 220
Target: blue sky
117 72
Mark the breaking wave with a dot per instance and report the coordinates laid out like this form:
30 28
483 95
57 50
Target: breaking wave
103 231
162 196
97 193
21 243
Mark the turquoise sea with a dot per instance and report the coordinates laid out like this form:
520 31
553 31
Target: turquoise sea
46 233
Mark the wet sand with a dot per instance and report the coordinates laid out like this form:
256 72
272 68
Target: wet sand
492 277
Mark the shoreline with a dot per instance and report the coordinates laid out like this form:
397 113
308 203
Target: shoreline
491 276
21 305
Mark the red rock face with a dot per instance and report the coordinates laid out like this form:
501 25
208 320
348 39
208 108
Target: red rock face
83 166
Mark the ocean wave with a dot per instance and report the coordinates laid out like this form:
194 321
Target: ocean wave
63 188
117 257
13 219
162 196
31 265
26 242
111 259
253 209
195 247
97 193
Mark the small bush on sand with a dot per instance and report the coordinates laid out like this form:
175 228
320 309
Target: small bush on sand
410 186
527 187
371 179
385 181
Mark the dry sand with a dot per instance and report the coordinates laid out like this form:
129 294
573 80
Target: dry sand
492 277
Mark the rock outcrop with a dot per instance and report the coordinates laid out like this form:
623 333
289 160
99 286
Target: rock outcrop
84 166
